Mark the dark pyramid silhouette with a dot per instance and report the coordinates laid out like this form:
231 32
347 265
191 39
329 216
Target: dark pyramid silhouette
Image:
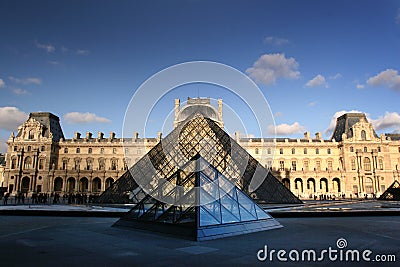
208 206
198 135
392 193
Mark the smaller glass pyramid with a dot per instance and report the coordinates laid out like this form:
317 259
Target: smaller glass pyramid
222 208
392 193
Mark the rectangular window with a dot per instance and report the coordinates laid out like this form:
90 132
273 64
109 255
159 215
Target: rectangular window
281 165
41 161
64 166
294 165
306 165
329 165
381 164
318 165
353 164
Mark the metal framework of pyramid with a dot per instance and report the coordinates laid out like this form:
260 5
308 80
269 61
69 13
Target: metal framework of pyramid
392 193
223 209
198 135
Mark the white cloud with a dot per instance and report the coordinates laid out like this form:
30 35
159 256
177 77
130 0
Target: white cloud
312 104
332 123
389 78
11 118
3 146
318 80
52 62
270 67
82 52
336 76
276 41
83 118
360 86
49 48
286 129
2 83
19 91
26 81
391 120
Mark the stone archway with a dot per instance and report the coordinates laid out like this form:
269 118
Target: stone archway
58 184
25 184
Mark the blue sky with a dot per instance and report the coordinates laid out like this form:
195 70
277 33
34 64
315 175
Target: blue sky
83 60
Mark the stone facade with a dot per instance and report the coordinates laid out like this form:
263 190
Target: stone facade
354 161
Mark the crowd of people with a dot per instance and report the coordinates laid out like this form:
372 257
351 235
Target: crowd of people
46 198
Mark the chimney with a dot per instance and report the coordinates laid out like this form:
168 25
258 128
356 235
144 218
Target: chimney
220 108
100 135
177 105
77 135
237 136
136 135
307 135
88 135
318 136
112 135
159 135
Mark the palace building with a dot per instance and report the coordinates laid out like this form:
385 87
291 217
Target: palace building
355 161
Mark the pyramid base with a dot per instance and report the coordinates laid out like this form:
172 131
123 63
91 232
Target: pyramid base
189 231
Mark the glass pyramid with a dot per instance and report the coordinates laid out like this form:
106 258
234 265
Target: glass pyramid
198 135
392 193
223 210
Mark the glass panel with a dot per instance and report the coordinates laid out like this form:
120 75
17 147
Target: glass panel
208 187
261 214
246 215
228 217
246 203
206 218
230 205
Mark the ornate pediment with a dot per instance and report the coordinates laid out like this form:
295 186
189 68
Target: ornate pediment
31 130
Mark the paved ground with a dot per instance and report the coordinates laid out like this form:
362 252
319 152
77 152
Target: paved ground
75 241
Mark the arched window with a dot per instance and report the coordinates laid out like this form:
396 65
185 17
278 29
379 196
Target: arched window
328 151
367 164
351 149
365 149
89 150
317 151
380 161
78 150
31 135
66 150
305 151
269 150
113 164
13 163
256 150
293 151
363 135
379 149
281 151
27 163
